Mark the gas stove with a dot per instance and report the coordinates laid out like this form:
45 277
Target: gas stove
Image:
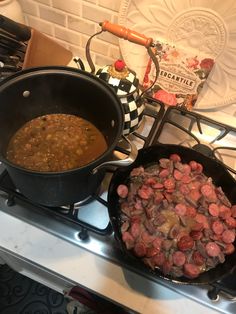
86 224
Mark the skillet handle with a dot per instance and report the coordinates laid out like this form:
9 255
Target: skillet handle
120 162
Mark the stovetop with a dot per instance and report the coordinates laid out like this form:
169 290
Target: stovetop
87 224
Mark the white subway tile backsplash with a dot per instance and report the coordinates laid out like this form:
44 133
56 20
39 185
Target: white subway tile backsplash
71 6
114 52
102 60
81 25
109 38
40 25
52 15
72 22
78 52
112 5
68 35
95 13
115 19
29 7
96 45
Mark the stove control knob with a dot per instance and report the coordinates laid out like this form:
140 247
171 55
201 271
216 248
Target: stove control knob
10 200
213 294
83 234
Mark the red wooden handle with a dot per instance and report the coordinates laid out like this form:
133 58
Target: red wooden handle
126 33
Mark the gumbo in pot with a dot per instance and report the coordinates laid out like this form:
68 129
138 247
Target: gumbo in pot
56 142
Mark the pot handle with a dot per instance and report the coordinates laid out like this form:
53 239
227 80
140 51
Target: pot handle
120 162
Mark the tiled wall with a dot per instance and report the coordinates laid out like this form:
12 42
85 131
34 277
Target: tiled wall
72 22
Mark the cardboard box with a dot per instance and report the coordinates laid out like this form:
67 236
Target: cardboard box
43 51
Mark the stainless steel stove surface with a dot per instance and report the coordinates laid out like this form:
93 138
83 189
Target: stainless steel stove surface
87 225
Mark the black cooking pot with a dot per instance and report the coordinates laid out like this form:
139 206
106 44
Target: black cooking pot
147 156
38 91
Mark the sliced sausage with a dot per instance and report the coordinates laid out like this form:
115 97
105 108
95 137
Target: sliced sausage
159 259
135 230
175 157
169 184
191 271
122 190
191 211
196 235
178 175
198 259
157 243
128 240
206 190
224 212
152 251
199 168
214 209
197 226
180 209
150 181
195 195
228 236
145 192
179 258
186 169
229 249
233 211
140 249
185 243
217 227
184 189
200 218
158 186
230 222
212 249
147 238
164 173
186 178
193 164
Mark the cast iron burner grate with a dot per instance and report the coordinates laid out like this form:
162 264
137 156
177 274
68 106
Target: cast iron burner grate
83 214
225 286
66 214
211 138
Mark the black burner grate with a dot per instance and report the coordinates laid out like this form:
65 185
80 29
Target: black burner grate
200 133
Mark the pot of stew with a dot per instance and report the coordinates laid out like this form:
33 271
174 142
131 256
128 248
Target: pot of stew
173 212
59 129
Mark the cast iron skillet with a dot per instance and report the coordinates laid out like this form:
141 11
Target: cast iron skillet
212 168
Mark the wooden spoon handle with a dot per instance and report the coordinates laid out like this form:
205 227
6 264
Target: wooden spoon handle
126 33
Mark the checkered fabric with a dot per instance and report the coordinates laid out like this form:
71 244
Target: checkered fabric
133 110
